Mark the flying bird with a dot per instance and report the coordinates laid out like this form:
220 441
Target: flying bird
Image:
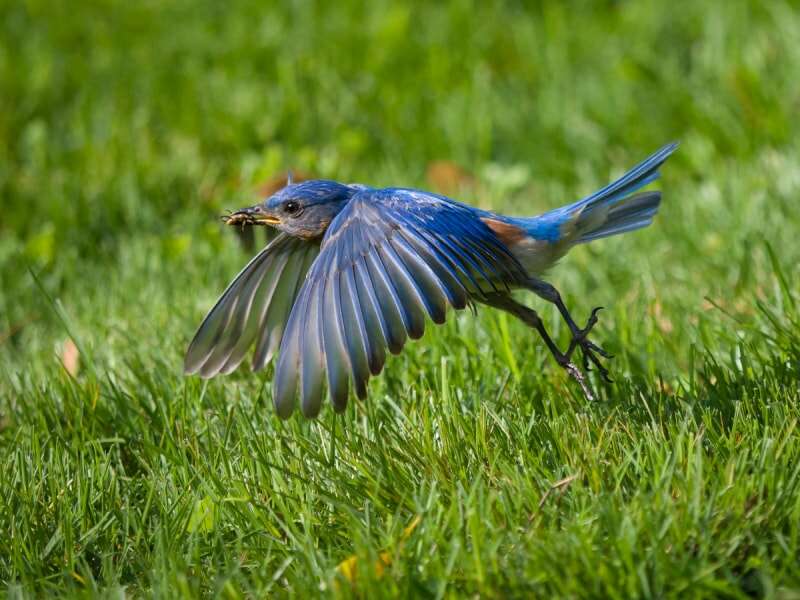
355 271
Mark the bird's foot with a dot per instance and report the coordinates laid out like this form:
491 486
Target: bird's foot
591 352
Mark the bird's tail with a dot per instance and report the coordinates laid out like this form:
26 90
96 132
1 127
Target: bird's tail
616 208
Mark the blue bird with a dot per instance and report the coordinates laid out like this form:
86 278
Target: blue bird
355 271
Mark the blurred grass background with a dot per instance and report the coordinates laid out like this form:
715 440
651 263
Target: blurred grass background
127 128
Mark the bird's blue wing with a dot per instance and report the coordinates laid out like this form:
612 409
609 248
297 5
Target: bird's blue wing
253 309
388 260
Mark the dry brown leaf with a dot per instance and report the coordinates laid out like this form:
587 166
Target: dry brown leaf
446 177
70 356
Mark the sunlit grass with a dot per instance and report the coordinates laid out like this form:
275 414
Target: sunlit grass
129 128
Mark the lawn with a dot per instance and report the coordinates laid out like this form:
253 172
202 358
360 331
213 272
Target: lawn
476 467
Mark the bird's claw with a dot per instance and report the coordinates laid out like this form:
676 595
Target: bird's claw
590 356
592 320
590 351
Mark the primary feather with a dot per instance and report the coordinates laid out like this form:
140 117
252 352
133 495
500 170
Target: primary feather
254 307
376 279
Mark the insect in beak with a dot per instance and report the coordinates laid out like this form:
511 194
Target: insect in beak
253 215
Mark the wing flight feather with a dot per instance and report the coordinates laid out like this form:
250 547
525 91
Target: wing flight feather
390 259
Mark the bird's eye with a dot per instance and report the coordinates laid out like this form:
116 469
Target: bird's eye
291 207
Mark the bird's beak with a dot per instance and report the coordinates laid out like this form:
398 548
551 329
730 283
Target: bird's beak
253 215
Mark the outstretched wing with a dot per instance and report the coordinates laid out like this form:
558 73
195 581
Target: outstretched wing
387 260
254 308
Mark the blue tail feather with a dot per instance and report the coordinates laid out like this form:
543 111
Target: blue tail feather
612 210
633 213
639 176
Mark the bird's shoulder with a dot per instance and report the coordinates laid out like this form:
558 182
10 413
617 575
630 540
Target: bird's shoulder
376 212
399 200
372 216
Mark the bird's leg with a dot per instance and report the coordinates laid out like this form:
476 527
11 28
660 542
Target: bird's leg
580 336
531 318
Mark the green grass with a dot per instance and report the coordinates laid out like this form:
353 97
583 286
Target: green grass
126 128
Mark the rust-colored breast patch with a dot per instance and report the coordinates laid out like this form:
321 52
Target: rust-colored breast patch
506 232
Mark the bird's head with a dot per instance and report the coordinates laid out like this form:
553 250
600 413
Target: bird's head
302 209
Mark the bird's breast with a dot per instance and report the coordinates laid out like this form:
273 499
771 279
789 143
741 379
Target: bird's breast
536 256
